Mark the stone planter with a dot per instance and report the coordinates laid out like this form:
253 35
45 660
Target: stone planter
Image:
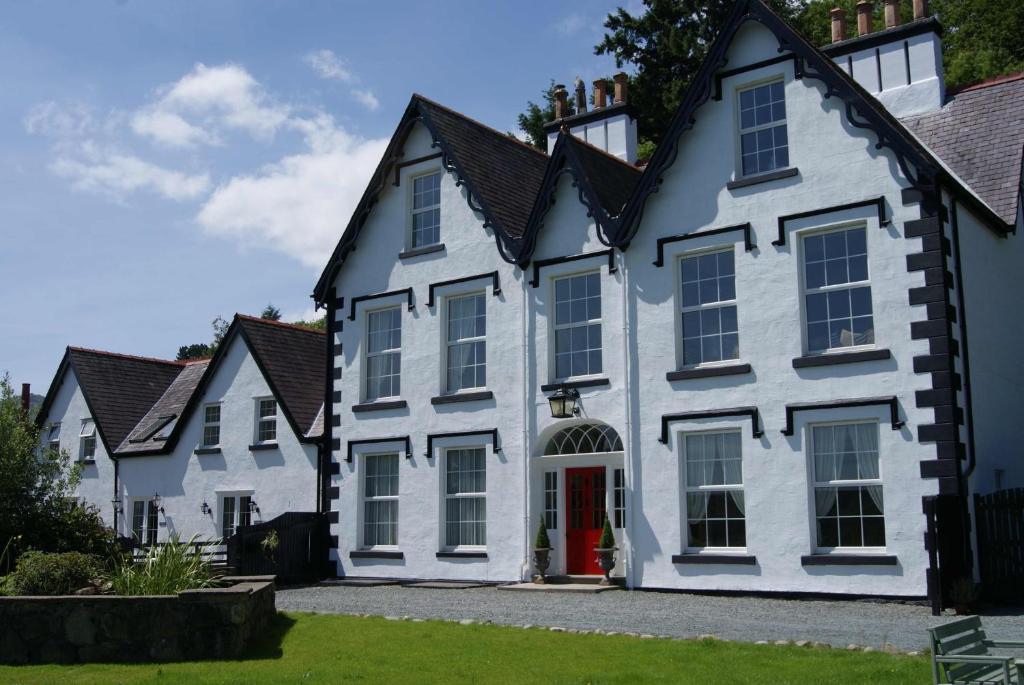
541 561
606 560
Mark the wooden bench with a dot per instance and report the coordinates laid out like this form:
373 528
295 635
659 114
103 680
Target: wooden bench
960 655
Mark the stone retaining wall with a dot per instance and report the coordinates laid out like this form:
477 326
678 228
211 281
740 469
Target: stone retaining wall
211 623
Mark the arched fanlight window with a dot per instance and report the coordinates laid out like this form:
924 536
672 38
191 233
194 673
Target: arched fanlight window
584 438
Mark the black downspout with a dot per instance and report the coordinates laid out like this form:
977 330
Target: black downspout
116 489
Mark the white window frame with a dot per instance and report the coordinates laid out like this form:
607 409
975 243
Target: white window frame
740 130
446 355
815 484
618 508
725 488
149 512
87 441
260 420
555 326
413 210
241 516
367 355
681 310
551 499
363 499
52 442
216 424
849 285
446 496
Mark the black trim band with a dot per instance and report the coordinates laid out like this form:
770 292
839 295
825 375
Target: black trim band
420 251
591 116
591 383
363 298
263 447
493 432
832 359
892 402
883 37
206 450
411 162
878 202
377 441
798 71
379 406
748 242
495 287
741 559
708 372
762 178
370 554
541 263
849 560
463 397
461 555
752 412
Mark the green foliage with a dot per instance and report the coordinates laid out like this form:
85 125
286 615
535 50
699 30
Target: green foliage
270 543
982 39
814 20
542 541
314 324
270 313
166 569
42 573
194 351
531 122
607 540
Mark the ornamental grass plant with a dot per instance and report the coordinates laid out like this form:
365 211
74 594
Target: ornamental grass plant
165 570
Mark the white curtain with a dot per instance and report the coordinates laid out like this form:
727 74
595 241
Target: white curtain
737 499
867 460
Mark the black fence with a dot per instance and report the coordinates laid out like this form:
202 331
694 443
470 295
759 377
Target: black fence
298 555
999 518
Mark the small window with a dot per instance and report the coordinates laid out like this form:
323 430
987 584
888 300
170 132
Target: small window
211 425
578 326
380 500
551 500
764 141
838 292
465 497
467 347
266 420
165 432
145 522
383 353
53 437
619 499
714 490
236 510
848 505
426 210
710 331
87 440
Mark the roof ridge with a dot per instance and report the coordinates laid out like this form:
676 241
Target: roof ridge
994 81
504 136
280 324
120 355
607 154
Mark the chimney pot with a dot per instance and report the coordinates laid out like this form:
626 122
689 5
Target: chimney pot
561 102
581 96
621 87
892 13
26 397
838 24
920 9
865 9
600 93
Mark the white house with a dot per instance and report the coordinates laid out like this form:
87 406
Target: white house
766 326
208 445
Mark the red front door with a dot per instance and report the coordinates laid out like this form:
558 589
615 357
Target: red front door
585 509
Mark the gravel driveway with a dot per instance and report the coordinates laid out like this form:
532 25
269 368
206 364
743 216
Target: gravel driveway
839 623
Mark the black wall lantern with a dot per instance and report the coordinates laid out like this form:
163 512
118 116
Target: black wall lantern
564 403
155 502
253 507
205 508
116 504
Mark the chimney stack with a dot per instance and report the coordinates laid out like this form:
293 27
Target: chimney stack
838 24
26 397
865 8
561 102
581 96
600 93
892 13
621 87
920 9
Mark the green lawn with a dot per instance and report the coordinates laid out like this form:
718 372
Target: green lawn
313 648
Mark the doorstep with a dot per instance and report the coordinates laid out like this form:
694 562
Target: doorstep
445 585
358 582
559 587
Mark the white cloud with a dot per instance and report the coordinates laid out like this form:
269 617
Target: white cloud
301 203
116 174
170 129
329 66
58 121
366 98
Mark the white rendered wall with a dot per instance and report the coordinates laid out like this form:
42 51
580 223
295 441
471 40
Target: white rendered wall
279 480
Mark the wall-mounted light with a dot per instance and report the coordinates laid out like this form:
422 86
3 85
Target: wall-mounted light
253 507
155 502
205 508
563 403
116 504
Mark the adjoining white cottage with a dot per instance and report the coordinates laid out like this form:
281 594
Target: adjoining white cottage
763 331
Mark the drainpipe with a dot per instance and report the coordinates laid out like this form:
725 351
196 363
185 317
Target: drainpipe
117 472
524 574
627 444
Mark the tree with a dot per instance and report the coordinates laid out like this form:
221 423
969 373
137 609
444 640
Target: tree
531 122
271 313
193 351
318 324
982 39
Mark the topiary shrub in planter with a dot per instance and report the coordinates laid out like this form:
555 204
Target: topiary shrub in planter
42 573
606 551
541 553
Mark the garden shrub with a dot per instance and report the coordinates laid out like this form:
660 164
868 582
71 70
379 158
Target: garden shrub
166 570
45 573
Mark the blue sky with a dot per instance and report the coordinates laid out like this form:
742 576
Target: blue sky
164 163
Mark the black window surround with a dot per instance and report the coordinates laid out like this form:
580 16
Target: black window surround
492 432
798 71
541 263
702 558
585 383
379 441
420 251
495 285
206 450
878 202
709 372
461 555
834 358
375 554
748 239
263 446
849 560
891 402
752 412
412 162
458 397
379 406
364 298
766 177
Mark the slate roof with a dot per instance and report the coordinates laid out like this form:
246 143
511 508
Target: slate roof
171 403
119 389
979 134
611 178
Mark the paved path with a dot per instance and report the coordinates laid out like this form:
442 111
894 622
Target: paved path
750 619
